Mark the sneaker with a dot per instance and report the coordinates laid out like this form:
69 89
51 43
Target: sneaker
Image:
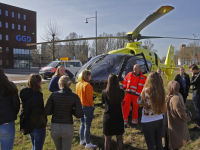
90 146
82 142
135 121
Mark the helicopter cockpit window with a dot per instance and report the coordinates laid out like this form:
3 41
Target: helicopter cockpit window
131 62
109 64
89 63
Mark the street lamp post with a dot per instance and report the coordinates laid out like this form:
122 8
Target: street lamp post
194 47
86 21
53 35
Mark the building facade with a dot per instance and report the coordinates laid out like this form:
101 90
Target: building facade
17 28
189 54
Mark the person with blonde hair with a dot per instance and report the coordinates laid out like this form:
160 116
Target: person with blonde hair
85 91
153 100
9 108
32 118
61 70
62 105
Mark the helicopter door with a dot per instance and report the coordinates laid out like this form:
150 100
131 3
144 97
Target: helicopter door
130 62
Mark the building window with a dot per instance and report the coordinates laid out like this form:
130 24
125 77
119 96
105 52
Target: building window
18 27
13 26
13 14
7 38
0 24
0 11
24 28
7 62
6 13
0 49
1 62
7 49
0 36
18 15
24 17
6 25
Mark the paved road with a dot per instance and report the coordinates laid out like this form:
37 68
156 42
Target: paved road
20 78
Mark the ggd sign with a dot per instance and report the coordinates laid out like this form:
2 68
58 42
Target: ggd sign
23 38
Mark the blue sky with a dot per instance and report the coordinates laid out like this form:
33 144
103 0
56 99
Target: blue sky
117 16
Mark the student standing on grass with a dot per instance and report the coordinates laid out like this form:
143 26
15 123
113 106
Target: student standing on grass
153 100
113 121
53 85
85 91
32 118
195 82
62 105
178 133
184 81
133 84
9 108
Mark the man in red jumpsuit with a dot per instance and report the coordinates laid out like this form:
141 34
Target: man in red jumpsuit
133 84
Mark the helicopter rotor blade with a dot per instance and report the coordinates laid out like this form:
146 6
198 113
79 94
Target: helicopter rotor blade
154 37
79 39
157 14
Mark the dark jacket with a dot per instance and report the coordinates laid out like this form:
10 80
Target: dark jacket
32 114
9 107
195 81
53 85
178 79
62 105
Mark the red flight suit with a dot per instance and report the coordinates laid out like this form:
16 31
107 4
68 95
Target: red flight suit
133 86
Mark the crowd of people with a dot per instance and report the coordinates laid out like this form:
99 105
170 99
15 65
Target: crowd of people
160 112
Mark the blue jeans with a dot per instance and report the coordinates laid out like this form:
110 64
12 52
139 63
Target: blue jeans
196 101
86 120
7 135
37 138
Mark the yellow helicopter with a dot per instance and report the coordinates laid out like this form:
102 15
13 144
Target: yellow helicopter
121 61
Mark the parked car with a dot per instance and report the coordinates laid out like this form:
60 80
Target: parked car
48 71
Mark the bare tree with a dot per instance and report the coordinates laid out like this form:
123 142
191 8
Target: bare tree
76 48
162 60
194 49
35 55
149 45
119 43
108 44
176 56
185 55
51 33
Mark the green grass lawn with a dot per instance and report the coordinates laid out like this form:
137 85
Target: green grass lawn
133 137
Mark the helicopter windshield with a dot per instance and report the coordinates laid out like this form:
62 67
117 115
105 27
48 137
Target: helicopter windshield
131 62
111 63
88 64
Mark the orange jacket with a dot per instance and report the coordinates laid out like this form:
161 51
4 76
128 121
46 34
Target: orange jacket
85 92
134 84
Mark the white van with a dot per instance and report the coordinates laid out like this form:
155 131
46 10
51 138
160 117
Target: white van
73 66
